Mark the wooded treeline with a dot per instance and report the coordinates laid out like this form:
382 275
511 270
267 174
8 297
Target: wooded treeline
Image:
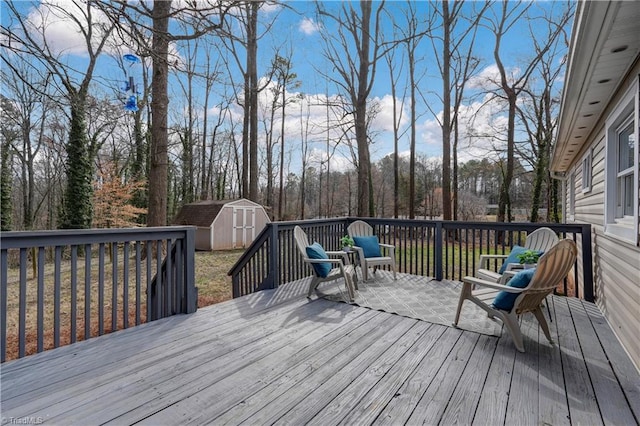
223 113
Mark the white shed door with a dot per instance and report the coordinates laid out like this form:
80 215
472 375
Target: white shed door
244 226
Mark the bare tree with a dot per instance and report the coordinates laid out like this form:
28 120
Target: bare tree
397 119
511 86
538 113
29 37
9 134
356 74
453 51
286 79
202 18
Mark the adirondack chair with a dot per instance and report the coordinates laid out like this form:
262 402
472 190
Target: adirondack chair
553 266
541 240
370 250
342 269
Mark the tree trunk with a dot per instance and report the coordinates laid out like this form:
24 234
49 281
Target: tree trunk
446 114
158 173
252 70
412 149
6 210
78 200
504 201
365 206
281 187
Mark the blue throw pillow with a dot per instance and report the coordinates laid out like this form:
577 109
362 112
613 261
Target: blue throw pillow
513 258
315 251
505 300
369 245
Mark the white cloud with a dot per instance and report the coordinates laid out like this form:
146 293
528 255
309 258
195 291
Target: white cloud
62 23
489 77
384 119
482 130
308 26
337 161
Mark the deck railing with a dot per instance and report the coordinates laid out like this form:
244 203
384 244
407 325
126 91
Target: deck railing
57 287
441 249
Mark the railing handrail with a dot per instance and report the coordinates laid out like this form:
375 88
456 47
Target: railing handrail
125 272
438 230
25 239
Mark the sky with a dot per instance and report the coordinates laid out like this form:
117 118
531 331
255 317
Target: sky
297 29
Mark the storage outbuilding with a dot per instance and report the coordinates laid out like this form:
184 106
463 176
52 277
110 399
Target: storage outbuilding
223 224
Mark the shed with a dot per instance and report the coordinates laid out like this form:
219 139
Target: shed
223 224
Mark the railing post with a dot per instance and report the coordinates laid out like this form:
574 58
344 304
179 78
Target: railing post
189 270
437 247
587 263
273 278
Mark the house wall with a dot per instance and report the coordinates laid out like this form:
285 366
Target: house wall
616 262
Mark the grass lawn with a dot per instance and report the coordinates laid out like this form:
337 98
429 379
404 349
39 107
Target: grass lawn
214 285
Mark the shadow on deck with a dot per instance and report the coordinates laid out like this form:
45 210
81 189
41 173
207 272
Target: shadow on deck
277 357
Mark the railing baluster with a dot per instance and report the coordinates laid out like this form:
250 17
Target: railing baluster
159 281
57 283
4 265
150 300
22 324
101 307
74 292
40 344
125 285
114 287
87 291
138 281
168 280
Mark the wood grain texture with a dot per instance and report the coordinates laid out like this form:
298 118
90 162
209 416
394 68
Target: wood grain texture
279 357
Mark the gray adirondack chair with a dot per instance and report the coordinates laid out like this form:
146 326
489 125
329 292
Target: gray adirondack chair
542 239
553 266
360 228
342 269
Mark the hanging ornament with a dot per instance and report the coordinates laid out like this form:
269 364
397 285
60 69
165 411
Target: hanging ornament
130 86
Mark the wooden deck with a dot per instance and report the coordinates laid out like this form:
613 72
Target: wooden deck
276 357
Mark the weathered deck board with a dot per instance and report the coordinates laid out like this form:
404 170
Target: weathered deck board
464 400
524 382
551 386
624 370
583 408
609 396
366 408
276 357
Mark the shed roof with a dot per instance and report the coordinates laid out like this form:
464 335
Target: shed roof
201 213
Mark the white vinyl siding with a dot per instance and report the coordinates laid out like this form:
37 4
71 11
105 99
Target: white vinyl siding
616 264
586 172
572 196
621 177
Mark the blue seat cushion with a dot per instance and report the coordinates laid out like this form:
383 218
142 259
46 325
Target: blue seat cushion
369 245
505 300
512 258
316 251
